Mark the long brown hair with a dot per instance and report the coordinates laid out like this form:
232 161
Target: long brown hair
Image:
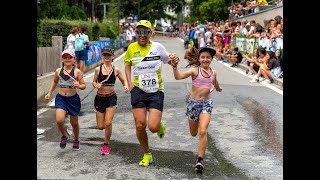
192 56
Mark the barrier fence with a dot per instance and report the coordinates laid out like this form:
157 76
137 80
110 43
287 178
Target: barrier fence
48 58
95 49
247 45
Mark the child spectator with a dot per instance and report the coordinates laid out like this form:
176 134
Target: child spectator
235 57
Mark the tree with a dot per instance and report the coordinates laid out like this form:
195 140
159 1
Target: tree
113 11
57 9
150 9
52 9
211 10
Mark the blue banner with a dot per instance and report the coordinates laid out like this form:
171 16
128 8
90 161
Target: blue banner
94 52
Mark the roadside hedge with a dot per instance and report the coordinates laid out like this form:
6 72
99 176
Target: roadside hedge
47 28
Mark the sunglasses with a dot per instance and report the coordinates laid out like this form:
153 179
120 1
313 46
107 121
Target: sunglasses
104 54
144 32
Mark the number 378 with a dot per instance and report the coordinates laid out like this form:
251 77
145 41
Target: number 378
148 82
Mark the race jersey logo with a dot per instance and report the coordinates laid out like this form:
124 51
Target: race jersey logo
136 54
154 58
153 53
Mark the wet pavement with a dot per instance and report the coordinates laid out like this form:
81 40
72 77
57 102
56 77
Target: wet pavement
244 136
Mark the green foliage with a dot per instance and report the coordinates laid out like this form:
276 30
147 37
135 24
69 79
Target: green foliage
58 9
39 35
112 12
95 32
52 9
47 28
110 32
211 10
76 13
150 9
191 19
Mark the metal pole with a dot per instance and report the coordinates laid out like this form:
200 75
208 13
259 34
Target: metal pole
138 10
118 14
104 9
92 14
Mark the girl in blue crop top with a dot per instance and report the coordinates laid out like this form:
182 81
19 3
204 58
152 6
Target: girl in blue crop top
199 106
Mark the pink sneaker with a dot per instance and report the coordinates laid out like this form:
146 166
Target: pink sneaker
63 142
105 149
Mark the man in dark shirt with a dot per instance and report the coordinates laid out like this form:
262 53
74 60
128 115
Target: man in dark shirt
236 57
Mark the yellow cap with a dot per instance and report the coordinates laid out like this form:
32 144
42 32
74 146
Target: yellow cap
144 23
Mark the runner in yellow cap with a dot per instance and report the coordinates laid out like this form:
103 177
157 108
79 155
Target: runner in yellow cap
145 58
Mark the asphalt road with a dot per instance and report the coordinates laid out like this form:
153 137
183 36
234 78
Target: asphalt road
245 136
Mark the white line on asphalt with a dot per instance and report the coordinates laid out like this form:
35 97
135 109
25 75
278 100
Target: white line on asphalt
243 73
115 60
42 110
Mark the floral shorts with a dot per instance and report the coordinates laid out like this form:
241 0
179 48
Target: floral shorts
196 107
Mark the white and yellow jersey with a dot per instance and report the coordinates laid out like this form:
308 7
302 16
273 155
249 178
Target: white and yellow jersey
146 65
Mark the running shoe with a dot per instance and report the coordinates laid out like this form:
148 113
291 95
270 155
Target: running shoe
67 123
199 166
268 81
162 131
69 132
105 149
63 142
76 145
254 80
147 159
40 131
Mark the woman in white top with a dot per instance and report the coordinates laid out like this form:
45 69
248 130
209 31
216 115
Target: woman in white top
128 35
71 39
202 42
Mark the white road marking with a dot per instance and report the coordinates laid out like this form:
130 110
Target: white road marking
42 110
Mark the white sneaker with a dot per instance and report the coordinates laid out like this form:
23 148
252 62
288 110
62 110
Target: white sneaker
69 132
261 79
268 81
252 76
253 80
67 123
40 131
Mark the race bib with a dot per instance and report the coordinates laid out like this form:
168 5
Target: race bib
148 82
